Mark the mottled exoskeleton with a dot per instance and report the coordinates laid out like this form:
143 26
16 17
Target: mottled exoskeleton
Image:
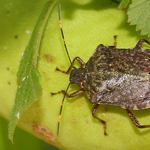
112 76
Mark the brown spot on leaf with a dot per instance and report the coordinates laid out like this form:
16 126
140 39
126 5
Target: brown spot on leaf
44 133
16 36
74 121
7 68
104 110
49 58
8 82
46 75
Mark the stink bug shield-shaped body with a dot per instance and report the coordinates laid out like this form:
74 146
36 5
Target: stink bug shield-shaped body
117 77
112 76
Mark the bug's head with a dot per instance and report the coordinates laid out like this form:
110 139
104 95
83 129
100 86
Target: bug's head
78 76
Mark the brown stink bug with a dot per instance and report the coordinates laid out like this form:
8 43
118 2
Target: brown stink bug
112 76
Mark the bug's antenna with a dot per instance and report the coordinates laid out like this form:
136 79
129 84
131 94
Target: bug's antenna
62 34
61 110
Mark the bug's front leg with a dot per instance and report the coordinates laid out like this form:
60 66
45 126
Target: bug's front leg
140 42
135 121
69 95
100 120
78 59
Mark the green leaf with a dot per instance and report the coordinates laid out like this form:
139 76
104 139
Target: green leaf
138 14
123 4
29 88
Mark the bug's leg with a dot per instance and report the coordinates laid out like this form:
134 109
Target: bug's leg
78 59
100 120
140 42
69 95
135 121
115 42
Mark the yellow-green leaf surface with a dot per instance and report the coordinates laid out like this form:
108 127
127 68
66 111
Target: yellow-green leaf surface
86 24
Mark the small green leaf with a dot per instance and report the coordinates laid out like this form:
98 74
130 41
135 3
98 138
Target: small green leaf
123 4
138 14
29 88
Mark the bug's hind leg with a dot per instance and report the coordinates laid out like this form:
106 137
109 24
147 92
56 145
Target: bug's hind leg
135 121
115 42
100 120
140 42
